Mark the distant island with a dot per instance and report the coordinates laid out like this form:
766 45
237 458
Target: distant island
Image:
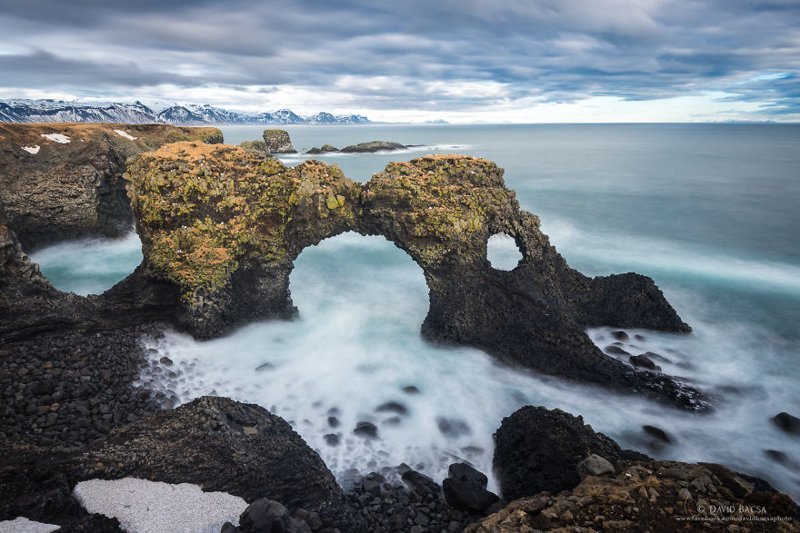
38 111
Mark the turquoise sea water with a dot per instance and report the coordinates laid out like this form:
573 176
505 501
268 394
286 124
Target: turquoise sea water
709 211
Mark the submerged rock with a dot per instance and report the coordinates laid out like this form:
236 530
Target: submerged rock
658 433
278 142
788 423
642 361
366 430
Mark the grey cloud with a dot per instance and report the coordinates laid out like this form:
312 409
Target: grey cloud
556 49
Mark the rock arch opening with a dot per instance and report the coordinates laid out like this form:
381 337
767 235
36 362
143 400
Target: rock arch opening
365 282
91 265
503 252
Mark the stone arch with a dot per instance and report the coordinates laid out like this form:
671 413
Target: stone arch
223 227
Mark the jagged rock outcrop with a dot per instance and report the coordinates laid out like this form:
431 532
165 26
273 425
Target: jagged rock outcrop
658 496
221 445
278 142
62 181
538 449
223 226
541 464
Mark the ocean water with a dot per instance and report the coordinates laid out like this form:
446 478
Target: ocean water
89 266
709 211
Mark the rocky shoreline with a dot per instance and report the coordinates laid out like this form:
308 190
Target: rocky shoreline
221 226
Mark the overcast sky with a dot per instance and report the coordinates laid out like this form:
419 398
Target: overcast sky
458 60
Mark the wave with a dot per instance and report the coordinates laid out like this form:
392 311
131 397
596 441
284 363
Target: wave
620 252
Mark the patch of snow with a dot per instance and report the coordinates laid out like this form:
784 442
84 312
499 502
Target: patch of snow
23 525
143 506
33 150
123 133
60 138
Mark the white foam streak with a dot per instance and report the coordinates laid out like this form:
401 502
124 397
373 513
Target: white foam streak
624 253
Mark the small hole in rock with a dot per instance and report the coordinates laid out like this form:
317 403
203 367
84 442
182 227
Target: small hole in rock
502 252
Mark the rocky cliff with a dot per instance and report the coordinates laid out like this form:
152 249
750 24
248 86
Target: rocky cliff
60 181
223 226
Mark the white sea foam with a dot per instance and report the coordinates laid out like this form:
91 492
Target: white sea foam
653 256
357 344
59 138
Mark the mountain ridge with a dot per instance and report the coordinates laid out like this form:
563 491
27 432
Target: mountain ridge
30 111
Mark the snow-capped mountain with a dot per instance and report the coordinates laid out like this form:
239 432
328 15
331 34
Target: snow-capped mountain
138 113
59 111
327 118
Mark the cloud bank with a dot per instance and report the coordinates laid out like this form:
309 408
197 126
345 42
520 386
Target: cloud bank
471 60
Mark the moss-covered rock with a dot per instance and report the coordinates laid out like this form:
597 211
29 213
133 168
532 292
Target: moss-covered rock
259 147
207 213
278 142
224 224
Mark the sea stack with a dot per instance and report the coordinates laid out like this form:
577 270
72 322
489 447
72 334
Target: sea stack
278 142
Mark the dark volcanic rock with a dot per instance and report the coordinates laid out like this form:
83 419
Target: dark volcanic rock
465 488
69 387
788 423
392 407
616 350
221 445
373 146
620 335
658 433
366 429
73 185
643 361
538 450
267 516
278 142
324 149
417 505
